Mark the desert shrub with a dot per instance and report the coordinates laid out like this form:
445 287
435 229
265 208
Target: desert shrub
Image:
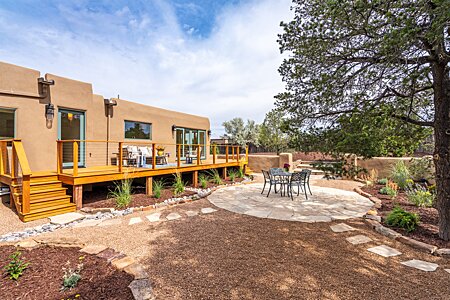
158 186
71 276
336 169
215 177
400 174
122 192
203 180
382 181
178 185
16 266
398 217
386 190
420 196
421 168
240 172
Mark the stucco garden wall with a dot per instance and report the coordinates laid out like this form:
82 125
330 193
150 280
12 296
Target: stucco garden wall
265 162
382 164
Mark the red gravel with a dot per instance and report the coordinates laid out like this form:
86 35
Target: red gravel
43 278
428 229
231 256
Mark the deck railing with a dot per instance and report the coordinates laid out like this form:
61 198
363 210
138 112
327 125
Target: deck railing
14 167
118 155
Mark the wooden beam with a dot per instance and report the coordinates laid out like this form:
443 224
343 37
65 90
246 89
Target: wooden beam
120 157
246 153
13 165
198 155
78 196
75 158
226 153
25 194
237 153
214 154
59 157
3 154
224 173
149 186
153 156
178 156
195 178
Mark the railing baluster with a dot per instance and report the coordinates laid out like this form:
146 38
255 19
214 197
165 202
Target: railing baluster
226 153
237 154
75 158
3 150
214 154
153 156
120 157
178 155
246 153
59 157
198 155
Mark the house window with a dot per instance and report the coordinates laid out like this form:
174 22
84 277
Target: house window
7 123
138 130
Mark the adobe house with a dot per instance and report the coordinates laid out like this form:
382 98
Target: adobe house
60 132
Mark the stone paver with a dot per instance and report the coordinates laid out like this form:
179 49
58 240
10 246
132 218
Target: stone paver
93 249
421 265
384 251
155 217
135 220
208 210
122 263
66 218
88 223
191 213
325 205
342 227
359 239
173 216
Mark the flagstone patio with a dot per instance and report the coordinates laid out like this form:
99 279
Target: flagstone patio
324 205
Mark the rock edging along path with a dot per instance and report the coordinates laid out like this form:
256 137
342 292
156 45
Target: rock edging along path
374 221
324 205
140 287
102 214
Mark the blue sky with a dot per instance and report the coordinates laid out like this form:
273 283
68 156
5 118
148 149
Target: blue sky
215 58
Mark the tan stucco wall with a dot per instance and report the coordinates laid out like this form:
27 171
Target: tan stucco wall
263 162
383 165
39 138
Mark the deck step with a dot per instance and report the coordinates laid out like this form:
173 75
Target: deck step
41 185
48 212
50 199
49 204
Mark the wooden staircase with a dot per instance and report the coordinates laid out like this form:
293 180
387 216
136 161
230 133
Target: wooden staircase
47 197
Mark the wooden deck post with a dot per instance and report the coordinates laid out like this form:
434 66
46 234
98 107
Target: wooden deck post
178 155
224 173
149 185
214 154
195 178
26 194
232 152
59 157
13 162
78 196
153 156
75 159
238 154
120 157
3 158
226 153
246 153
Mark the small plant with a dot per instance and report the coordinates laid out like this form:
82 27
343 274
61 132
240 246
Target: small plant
203 180
122 192
16 266
71 276
383 181
371 177
420 196
158 186
240 172
390 189
400 174
403 219
232 174
215 177
178 185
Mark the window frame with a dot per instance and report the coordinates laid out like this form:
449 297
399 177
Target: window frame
14 113
140 122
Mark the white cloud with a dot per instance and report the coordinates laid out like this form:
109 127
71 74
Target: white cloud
231 73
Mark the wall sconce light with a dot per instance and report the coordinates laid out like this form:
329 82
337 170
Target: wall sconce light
174 127
49 112
209 132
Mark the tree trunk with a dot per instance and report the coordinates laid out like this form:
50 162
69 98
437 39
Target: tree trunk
442 146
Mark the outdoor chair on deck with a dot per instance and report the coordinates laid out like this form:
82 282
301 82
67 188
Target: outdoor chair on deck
299 180
145 155
193 155
130 156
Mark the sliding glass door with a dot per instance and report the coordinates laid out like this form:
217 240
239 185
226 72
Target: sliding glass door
189 139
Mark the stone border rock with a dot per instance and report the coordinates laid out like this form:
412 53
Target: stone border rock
374 221
140 287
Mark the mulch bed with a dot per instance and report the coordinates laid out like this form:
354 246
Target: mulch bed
43 278
428 229
224 181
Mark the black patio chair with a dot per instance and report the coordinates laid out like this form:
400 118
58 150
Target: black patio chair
271 179
308 174
298 179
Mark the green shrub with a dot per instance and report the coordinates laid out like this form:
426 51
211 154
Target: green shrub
383 181
158 186
122 192
178 185
400 174
72 277
203 180
240 172
387 190
232 174
421 168
215 177
16 266
398 217
338 169
420 196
